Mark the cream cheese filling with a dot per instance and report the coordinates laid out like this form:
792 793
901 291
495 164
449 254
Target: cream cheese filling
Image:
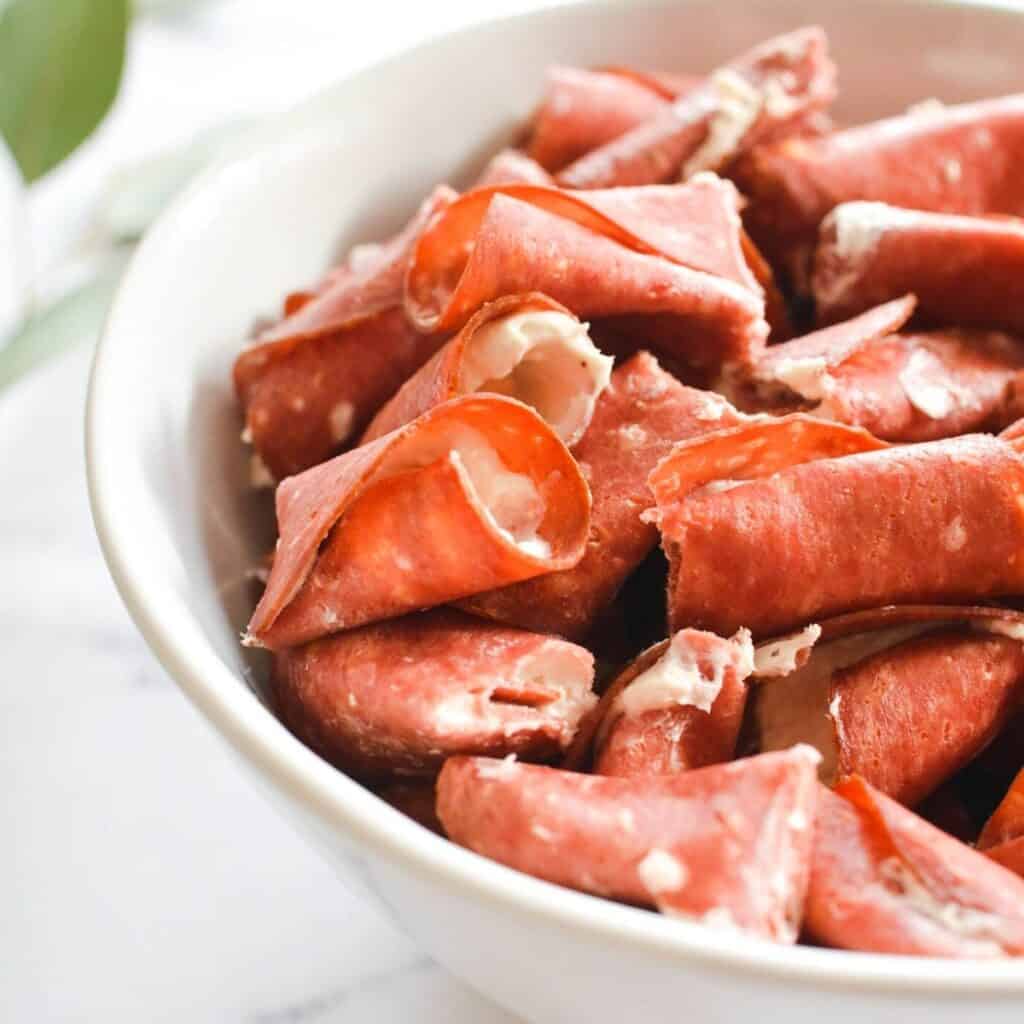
545 359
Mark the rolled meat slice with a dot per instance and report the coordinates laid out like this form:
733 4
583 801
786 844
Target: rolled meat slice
903 706
1002 838
963 270
396 698
679 706
777 523
770 90
801 370
525 346
727 845
920 386
885 881
476 493
583 109
958 159
513 167
308 398
670 252
637 419
312 382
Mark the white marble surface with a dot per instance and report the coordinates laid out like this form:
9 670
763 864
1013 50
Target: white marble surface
141 876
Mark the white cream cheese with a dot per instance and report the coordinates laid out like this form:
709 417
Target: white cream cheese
677 678
783 656
739 105
545 359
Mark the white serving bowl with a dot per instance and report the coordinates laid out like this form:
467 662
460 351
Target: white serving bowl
179 528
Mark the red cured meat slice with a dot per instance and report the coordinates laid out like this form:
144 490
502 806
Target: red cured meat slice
961 159
963 270
832 346
935 522
679 706
1007 823
885 881
370 281
308 398
1009 854
638 418
556 370
902 709
513 167
583 109
671 250
900 387
369 535
668 84
726 845
926 386
398 697
769 90
311 383
787 373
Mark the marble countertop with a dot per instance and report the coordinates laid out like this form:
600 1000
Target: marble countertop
142 877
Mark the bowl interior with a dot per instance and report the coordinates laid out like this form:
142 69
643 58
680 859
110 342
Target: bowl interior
169 476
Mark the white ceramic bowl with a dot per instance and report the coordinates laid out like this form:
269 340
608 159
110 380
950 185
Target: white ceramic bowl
168 482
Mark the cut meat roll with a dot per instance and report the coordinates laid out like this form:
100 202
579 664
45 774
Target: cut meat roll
672 254
903 706
964 270
524 346
396 698
769 91
774 524
885 881
727 845
477 493
638 418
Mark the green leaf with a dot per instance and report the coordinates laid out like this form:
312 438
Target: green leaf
60 66
73 318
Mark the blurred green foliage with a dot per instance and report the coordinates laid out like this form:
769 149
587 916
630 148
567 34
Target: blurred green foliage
60 67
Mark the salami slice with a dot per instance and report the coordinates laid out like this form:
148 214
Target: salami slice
513 167
476 493
311 383
778 523
921 386
885 881
308 398
396 698
524 346
801 370
727 845
637 419
1002 838
670 251
679 706
584 109
963 270
959 159
904 707
769 90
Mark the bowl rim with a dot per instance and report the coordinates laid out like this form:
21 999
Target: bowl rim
173 633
